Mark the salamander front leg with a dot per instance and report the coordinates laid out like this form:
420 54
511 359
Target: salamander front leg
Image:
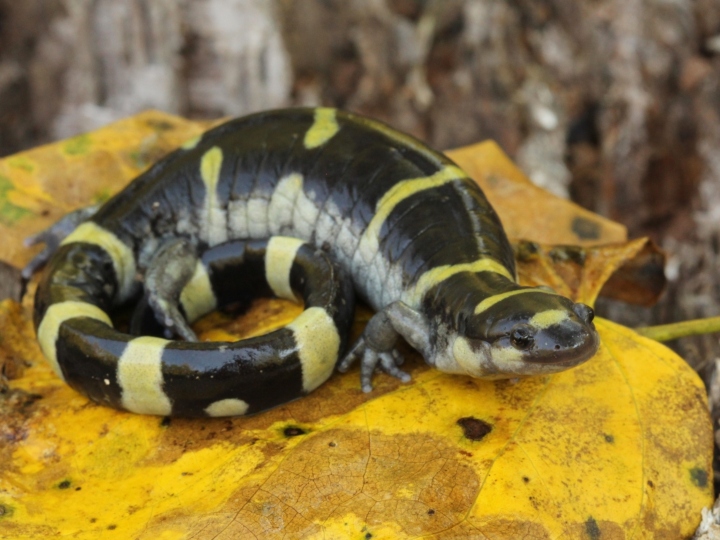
167 274
377 348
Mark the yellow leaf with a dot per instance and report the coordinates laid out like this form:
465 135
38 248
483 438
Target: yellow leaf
39 186
619 447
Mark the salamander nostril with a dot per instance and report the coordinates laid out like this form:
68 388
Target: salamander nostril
585 312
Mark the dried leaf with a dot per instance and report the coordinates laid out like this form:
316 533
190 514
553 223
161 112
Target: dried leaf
527 211
632 271
640 280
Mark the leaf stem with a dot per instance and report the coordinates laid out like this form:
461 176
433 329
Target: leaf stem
666 332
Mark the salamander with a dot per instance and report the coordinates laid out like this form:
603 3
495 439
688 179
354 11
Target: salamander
414 235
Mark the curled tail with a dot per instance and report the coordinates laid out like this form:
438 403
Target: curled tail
152 375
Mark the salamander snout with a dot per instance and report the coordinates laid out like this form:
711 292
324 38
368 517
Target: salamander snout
526 332
556 337
584 312
540 334
554 331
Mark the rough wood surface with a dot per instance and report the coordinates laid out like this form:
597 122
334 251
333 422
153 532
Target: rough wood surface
70 66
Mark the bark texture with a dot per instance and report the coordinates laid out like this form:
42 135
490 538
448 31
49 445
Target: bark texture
68 66
614 102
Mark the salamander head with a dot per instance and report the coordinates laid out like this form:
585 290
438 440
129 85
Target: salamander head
534 332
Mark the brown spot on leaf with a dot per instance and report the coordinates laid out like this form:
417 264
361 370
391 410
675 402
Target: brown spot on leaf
699 477
474 428
586 229
293 431
601 529
592 529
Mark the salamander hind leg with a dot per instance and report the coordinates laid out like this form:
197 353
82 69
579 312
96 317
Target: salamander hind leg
169 272
377 346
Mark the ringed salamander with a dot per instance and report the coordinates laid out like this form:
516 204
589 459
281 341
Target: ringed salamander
342 199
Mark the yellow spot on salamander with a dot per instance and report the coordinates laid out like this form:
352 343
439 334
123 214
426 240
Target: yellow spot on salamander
466 360
139 373
547 318
500 362
413 296
197 297
494 299
369 242
227 407
210 166
318 345
282 203
122 256
214 220
508 359
57 314
279 257
323 129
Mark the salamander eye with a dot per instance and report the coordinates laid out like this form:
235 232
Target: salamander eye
522 336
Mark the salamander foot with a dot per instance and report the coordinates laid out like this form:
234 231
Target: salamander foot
377 349
167 274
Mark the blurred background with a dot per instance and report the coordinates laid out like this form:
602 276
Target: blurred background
613 103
